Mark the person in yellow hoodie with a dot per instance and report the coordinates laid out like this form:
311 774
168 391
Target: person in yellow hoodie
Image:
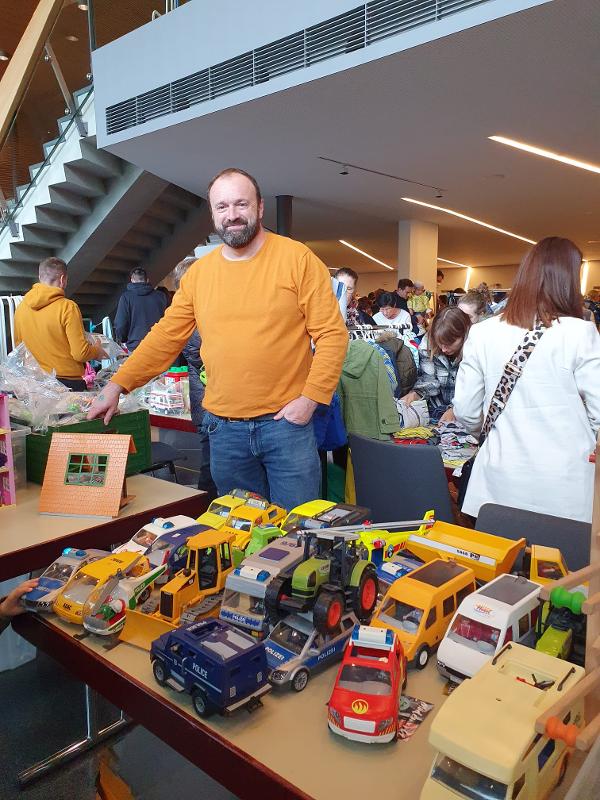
51 327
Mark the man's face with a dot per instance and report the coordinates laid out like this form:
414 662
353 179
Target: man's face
406 292
350 285
235 211
389 312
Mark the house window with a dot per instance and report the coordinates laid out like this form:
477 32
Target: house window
86 469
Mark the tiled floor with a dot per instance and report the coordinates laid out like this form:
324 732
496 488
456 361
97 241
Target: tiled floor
43 711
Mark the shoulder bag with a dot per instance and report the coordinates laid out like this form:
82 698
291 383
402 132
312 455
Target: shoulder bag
511 374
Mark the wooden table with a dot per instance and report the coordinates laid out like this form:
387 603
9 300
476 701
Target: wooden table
29 540
283 750
180 422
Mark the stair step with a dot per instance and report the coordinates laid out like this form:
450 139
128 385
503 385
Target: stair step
114 277
135 238
53 220
49 146
94 287
153 226
118 265
42 237
128 253
34 169
98 162
79 94
181 198
63 200
27 253
82 184
23 271
20 190
166 212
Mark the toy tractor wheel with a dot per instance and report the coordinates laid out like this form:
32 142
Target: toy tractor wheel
328 610
160 672
364 597
422 657
200 703
276 589
300 680
144 595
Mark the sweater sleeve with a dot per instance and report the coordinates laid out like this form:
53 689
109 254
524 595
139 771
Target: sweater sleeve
427 384
469 391
325 325
122 319
81 350
587 374
164 342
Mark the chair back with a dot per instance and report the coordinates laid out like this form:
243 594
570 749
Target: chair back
399 481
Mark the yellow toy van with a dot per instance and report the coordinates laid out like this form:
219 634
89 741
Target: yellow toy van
419 606
216 514
484 733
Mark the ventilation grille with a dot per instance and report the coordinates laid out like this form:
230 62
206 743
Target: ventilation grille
350 31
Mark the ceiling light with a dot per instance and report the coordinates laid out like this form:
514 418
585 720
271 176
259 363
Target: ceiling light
457 263
72 38
4 56
584 276
540 151
468 278
82 6
469 219
366 255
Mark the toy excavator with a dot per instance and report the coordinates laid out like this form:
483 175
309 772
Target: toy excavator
193 593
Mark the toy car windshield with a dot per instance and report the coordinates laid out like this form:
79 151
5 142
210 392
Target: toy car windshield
80 588
144 538
240 524
60 572
218 508
367 680
243 603
401 615
474 634
466 782
290 638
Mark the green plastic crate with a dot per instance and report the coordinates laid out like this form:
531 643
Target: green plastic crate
137 424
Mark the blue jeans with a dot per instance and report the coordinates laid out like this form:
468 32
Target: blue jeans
275 458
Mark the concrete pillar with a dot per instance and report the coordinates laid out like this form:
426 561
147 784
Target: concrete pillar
417 252
284 214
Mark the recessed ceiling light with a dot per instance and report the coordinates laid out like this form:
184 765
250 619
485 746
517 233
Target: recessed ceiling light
4 56
540 151
457 263
585 271
72 38
366 255
469 219
82 6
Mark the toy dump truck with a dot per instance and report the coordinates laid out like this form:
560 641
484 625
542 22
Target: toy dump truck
193 593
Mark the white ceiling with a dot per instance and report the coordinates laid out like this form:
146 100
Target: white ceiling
426 114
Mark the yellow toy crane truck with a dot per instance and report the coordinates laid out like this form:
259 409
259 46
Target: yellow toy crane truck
193 593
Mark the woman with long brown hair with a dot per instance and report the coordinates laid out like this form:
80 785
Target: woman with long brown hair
440 354
536 455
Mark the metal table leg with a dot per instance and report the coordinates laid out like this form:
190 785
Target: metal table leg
94 736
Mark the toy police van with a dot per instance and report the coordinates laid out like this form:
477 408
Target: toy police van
504 610
222 668
244 599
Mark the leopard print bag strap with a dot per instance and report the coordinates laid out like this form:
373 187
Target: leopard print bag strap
512 372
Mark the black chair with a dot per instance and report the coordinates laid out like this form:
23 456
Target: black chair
570 536
399 481
164 456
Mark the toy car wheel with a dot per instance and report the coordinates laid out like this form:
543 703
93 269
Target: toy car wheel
328 610
200 703
365 595
160 672
300 680
276 590
422 657
144 595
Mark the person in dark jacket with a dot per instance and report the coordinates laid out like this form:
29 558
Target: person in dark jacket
140 306
191 354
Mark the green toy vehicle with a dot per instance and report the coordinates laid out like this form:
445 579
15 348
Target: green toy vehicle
332 578
561 627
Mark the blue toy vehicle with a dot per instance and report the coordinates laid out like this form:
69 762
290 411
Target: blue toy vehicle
295 649
222 668
390 571
56 577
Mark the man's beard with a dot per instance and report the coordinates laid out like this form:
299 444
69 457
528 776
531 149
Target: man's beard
241 238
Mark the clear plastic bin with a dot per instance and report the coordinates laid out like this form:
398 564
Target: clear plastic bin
18 435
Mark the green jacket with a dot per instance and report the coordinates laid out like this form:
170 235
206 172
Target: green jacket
366 394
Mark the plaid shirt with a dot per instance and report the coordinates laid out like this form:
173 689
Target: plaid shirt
437 376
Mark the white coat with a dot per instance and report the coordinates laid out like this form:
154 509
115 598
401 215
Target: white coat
536 456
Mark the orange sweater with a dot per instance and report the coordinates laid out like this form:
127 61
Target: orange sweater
256 319
52 329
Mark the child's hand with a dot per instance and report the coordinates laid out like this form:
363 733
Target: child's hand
11 605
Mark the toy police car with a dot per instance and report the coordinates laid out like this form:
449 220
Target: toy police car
57 576
295 648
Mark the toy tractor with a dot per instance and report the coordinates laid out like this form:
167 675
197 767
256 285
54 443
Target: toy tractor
332 578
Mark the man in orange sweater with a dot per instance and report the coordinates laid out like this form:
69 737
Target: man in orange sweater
257 302
52 328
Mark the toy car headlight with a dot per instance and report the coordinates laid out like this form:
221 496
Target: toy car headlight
385 723
278 675
335 715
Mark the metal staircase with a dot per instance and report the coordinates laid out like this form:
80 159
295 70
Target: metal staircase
100 214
